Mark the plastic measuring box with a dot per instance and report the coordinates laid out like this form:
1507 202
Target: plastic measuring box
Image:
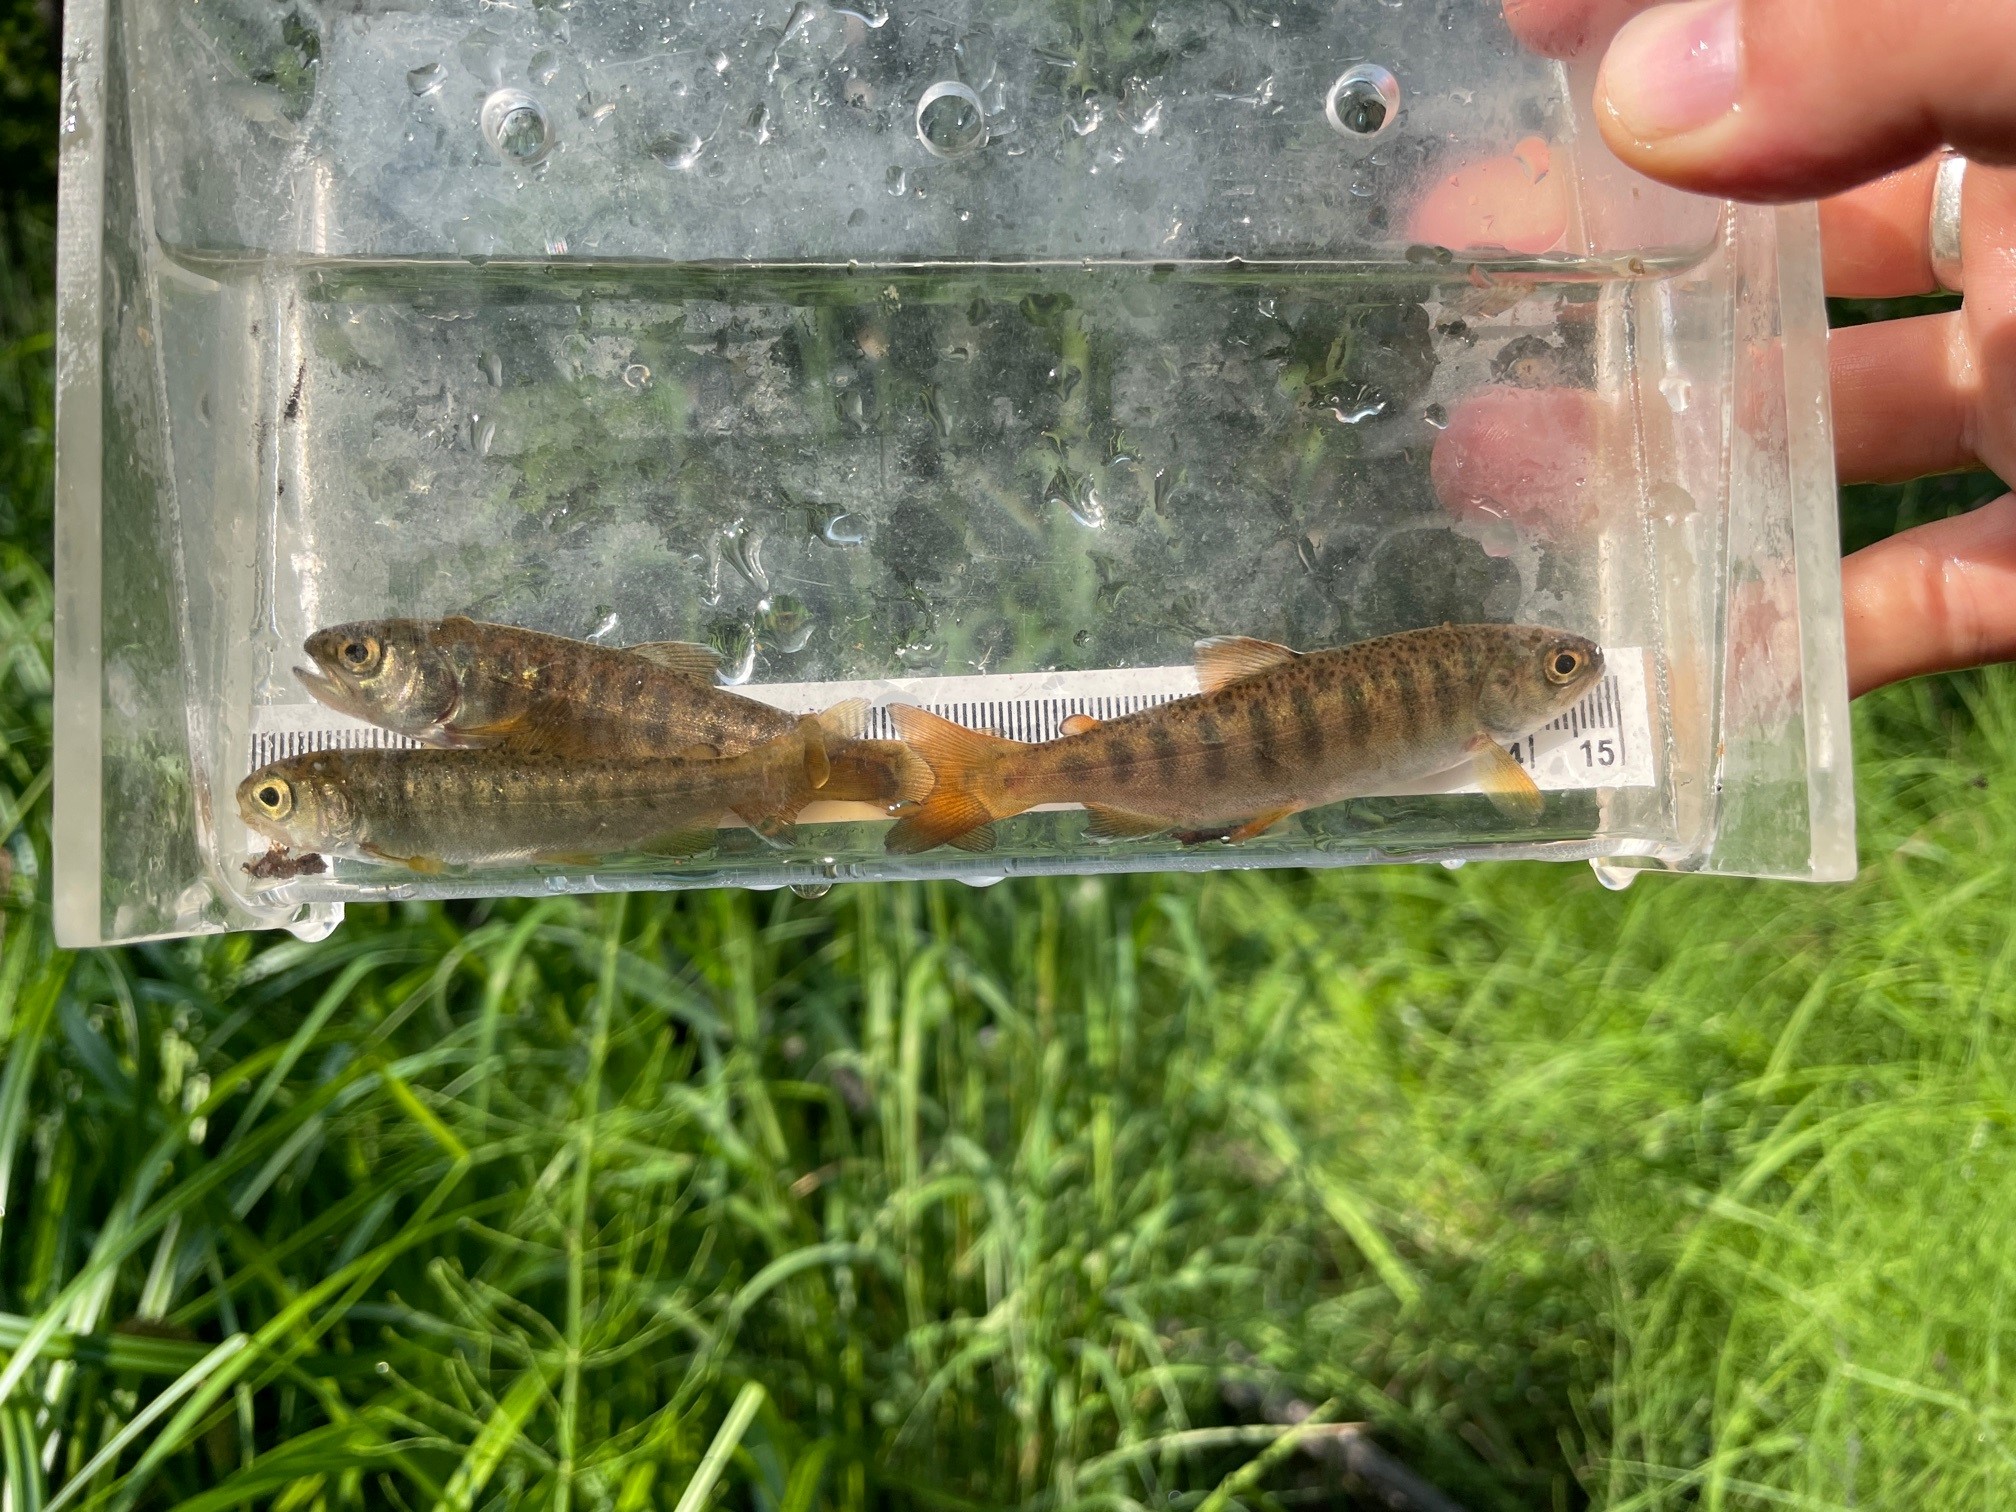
981 355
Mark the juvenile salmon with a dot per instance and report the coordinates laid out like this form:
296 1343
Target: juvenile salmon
1273 732
461 682
432 808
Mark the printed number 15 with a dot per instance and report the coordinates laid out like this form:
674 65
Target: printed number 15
1599 753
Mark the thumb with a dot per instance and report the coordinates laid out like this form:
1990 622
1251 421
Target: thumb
1795 99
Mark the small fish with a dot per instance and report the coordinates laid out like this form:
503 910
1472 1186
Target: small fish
1273 732
461 682
431 808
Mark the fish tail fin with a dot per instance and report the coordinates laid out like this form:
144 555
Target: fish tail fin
963 799
876 771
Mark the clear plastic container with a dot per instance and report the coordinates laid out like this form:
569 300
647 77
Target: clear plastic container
985 355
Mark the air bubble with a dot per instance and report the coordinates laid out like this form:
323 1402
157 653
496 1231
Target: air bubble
787 622
516 126
760 125
1363 102
637 376
897 182
1085 119
950 120
544 67
838 528
1436 416
735 643
426 79
678 151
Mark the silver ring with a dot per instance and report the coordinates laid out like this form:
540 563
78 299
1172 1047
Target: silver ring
1944 231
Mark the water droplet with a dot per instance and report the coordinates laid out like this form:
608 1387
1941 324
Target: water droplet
678 151
719 62
787 622
1436 416
1452 863
1616 878
897 182
1148 121
516 126
544 67
1267 308
482 53
735 643
950 120
838 528
427 78
493 369
933 405
745 554
1678 393
637 376
811 889
920 655
760 125
799 19
606 625
481 434
1363 102
975 58
1085 119
874 17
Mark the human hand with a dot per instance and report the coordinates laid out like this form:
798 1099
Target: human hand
1791 99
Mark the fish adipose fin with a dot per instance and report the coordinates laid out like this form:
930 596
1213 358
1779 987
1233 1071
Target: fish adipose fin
1227 658
954 813
1077 724
681 658
1508 785
1110 823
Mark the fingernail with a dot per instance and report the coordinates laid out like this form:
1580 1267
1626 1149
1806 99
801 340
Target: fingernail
1674 68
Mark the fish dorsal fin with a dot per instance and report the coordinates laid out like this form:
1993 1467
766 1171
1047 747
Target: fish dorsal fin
682 658
846 720
1227 658
1077 724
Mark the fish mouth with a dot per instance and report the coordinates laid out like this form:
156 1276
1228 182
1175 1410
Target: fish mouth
337 694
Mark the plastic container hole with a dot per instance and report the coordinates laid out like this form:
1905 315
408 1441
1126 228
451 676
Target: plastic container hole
1363 102
516 127
950 120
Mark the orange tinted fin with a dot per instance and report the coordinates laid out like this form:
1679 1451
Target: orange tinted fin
682 658
1077 724
1121 824
1504 781
1259 824
1227 658
959 758
976 841
427 865
567 858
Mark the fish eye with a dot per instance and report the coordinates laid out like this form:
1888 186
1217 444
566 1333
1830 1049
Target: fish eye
274 797
359 655
1563 665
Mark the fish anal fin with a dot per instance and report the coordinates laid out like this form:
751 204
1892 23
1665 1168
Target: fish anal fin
1226 658
1109 823
567 858
1078 724
681 658
1507 784
961 762
976 841
1259 824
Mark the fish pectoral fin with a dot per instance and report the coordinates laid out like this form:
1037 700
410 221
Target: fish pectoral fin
1109 823
1259 824
1507 784
680 844
1077 724
770 820
427 864
1226 658
681 658
566 858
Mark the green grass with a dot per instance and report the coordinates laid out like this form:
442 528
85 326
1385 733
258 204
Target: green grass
1059 1194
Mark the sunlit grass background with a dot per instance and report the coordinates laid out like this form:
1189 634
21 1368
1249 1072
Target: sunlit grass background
1111 1193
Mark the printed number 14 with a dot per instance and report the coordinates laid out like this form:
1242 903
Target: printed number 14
1521 751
